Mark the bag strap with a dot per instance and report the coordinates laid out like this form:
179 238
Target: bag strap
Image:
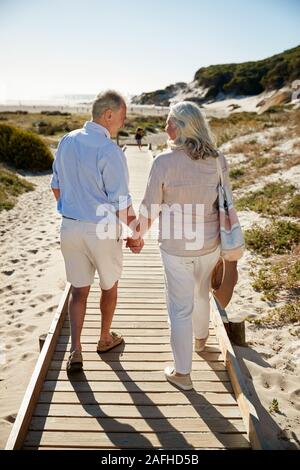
221 177
220 171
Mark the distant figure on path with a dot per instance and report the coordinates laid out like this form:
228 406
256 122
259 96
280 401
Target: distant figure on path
90 183
139 134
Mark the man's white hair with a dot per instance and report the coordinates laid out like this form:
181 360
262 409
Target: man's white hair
193 133
109 99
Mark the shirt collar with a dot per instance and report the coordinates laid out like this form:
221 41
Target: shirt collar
94 126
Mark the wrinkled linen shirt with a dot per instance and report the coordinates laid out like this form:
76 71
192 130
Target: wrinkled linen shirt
91 172
184 193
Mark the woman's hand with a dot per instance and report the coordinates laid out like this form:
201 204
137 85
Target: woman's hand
135 244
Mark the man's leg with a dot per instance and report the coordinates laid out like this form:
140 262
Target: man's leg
108 304
77 308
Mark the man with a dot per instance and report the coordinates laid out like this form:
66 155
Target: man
90 183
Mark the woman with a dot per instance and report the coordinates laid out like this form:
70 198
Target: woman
182 190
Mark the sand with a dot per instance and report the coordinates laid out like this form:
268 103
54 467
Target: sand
271 362
31 282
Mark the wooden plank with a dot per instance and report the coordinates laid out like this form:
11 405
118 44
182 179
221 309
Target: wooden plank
132 305
137 399
134 285
205 410
23 418
125 356
94 314
138 424
169 440
123 324
135 366
146 340
127 330
132 386
133 296
135 348
135 376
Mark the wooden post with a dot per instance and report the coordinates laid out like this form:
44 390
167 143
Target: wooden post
235 330
42 340
237 333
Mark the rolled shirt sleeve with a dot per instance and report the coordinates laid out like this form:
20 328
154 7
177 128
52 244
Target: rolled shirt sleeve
116 180
54 180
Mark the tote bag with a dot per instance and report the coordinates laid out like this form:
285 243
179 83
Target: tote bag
232 239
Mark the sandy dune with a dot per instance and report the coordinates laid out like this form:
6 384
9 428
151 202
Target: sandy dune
31 282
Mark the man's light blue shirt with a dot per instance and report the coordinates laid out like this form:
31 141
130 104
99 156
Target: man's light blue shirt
91 172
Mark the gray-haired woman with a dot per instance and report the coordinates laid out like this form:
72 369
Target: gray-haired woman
182 190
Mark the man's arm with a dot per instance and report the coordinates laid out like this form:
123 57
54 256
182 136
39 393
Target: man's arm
127 216
56 192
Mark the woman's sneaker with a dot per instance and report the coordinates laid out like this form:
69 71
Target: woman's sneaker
184 382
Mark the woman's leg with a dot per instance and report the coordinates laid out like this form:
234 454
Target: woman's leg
179 280
204 266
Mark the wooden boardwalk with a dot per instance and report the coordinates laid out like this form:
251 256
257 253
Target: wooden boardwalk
121 399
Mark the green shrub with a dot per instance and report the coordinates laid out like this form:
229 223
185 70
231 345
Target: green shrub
11 186
6 133
250 78
277 238
293 207
123 133
150 129
270 199
55 113
280 276
236 173
24 150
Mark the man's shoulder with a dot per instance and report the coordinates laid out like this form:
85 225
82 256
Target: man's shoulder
70 135
110 148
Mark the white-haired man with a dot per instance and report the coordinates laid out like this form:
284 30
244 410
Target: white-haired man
90 183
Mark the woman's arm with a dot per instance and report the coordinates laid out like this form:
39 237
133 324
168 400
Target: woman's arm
153 198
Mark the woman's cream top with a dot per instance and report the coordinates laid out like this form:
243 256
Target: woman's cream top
184 193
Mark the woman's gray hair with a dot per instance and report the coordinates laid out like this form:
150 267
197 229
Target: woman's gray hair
109 99
193 133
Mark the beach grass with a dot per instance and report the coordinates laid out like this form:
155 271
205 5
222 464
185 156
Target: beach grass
278 237
276 198
11 186
279 279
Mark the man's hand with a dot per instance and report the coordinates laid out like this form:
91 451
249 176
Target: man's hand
135 245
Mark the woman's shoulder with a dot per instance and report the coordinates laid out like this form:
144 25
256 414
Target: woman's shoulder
165 156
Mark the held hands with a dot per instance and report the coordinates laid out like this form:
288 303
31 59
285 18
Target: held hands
135 244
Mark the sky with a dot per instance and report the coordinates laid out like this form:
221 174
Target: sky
62 47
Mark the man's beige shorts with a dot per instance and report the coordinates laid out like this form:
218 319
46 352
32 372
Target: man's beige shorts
84 253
